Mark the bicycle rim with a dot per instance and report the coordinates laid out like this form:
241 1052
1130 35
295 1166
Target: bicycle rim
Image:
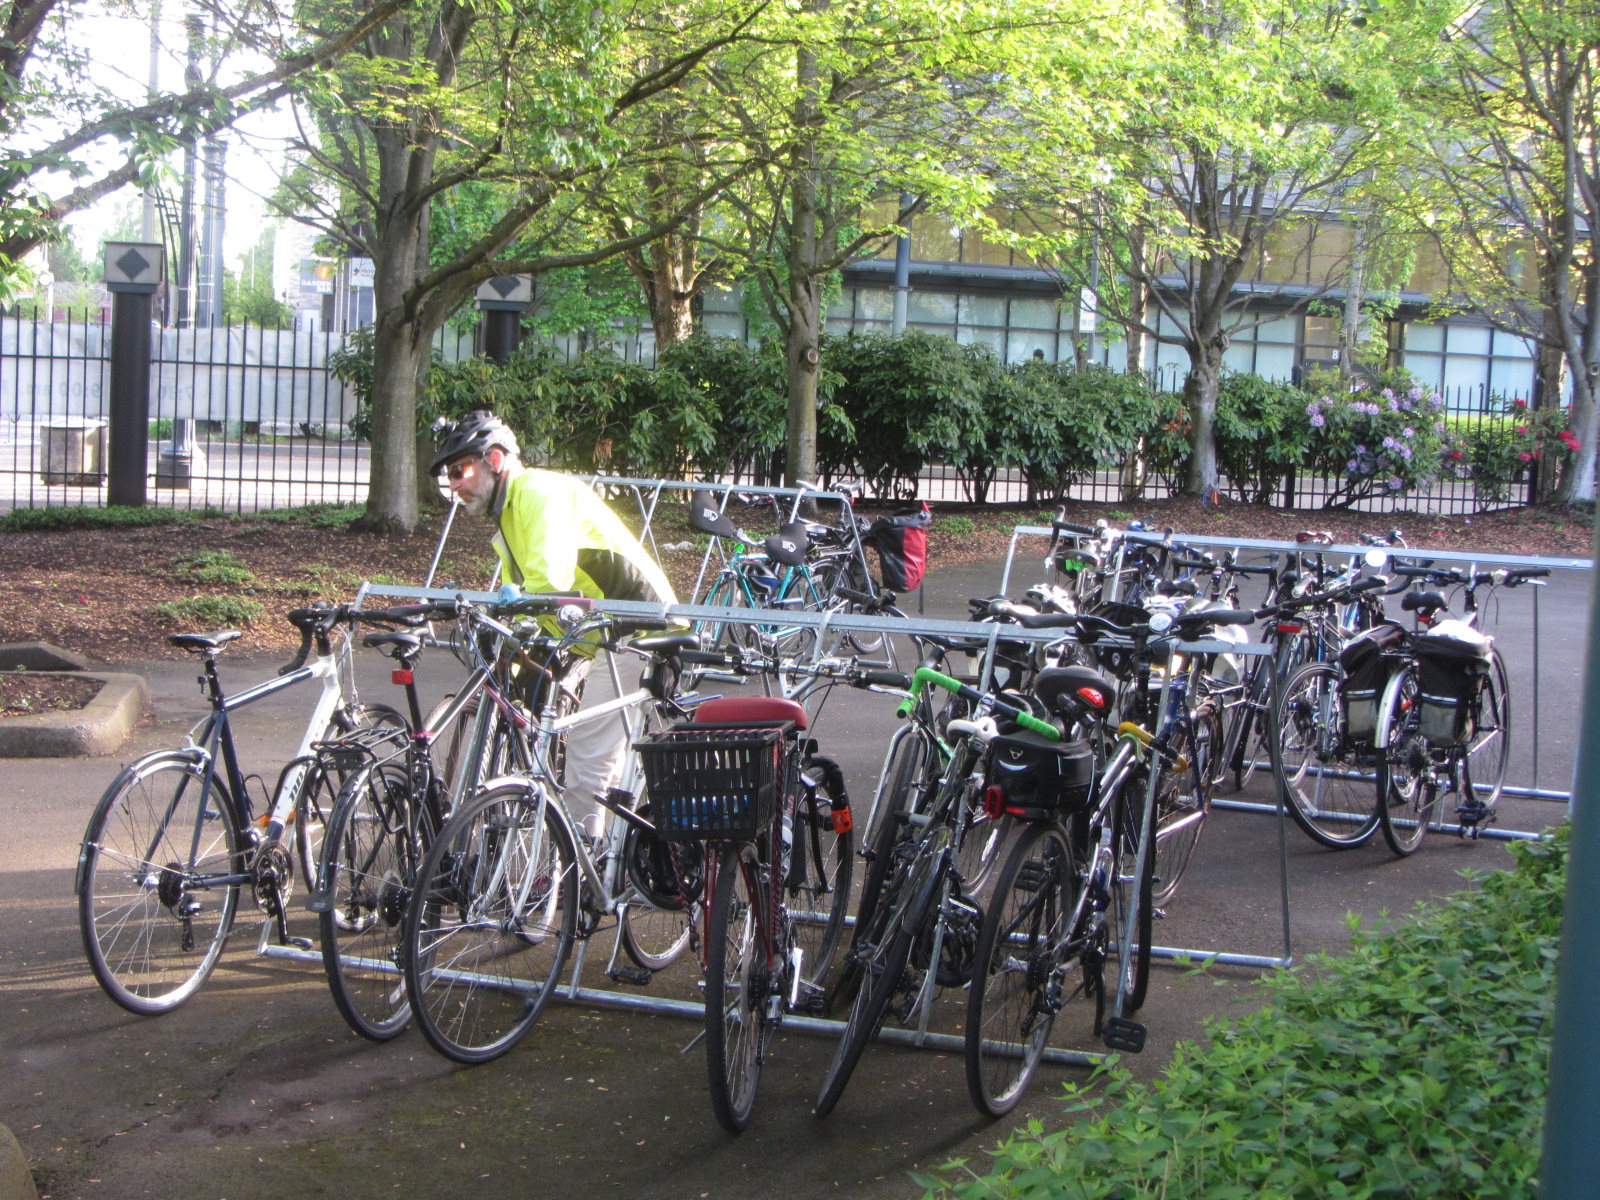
1326 781
817 886
1019 983
490 924
152 927
738 980
370 861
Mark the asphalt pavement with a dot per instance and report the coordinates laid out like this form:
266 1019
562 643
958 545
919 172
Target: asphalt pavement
256 1088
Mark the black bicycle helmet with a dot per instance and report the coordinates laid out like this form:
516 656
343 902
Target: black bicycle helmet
476 433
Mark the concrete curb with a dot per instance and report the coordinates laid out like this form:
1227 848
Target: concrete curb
16 1181
97 728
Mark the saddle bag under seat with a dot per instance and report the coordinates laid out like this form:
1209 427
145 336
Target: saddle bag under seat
1034 775
1452 660
1363 673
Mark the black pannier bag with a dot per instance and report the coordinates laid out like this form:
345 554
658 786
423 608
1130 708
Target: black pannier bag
902 545
1363 674
1030 773
1452 660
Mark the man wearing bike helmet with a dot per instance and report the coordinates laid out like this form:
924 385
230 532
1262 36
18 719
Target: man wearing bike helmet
553 534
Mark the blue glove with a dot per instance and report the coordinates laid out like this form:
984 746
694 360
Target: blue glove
508 592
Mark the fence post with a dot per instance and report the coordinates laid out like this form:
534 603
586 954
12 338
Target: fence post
503 300
134 270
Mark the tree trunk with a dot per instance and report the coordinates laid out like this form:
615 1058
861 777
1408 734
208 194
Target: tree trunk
804 358
1578 482
1138 304
1355 287
1200 389
398 363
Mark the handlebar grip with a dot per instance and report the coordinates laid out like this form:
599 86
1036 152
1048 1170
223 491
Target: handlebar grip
1529 572
894 679
1219 616
865 599
1371 583
1068 527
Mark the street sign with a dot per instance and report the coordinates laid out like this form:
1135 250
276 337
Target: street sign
362 272
134 266
1087 317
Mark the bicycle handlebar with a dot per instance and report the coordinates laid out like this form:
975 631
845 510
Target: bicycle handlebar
926 675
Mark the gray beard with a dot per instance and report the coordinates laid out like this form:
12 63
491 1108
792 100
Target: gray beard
479 506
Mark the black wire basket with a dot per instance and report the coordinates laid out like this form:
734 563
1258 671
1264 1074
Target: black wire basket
713 784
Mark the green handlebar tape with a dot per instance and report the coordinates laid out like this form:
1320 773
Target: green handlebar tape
926 675
1042 728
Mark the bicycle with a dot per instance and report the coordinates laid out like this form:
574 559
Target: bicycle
925 925
1444 721
391 807
509 884
175 836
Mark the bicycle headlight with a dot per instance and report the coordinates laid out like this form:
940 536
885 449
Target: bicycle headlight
1160 622
570 616
1377 558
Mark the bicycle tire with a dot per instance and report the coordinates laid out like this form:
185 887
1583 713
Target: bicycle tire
737 985
1183 799
885 834
816 888
1323 778
491 922
1017 988
902 922
1489 748
375 839
146 843
1408 797
319 791
654 938
1132 911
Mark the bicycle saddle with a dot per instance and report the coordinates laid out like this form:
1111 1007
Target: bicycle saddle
1058 685
789 545
406 645
667 643
203 643
704 516
729 710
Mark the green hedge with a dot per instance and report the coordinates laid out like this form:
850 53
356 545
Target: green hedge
890 406
1412 1066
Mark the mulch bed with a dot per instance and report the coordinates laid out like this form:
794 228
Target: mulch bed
94 591
27 694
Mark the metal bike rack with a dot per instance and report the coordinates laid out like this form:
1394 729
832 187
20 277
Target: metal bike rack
1531 791
573 990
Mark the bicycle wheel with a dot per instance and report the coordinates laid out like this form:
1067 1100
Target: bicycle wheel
377 834
738 982
1247 735
816 888
152 920
888 840
654 938
1024 952
1408 795
1326 779
491 922
909 899
982 845
1183 798
851 574
1131 910
1489 747
319 786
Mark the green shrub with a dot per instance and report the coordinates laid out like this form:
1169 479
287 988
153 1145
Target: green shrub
209 610
318 516
114 516
212 566
1413 1065
957 526
1262 434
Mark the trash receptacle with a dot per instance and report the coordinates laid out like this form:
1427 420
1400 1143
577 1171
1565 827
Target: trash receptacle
74 451
177 465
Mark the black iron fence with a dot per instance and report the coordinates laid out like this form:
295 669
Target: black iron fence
246 418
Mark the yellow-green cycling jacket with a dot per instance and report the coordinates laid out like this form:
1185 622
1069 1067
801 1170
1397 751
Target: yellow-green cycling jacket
556 535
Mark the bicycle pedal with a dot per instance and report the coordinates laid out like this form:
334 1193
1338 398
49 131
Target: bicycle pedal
637 976
299 943
1123 1034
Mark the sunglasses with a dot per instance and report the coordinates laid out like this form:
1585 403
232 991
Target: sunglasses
455 471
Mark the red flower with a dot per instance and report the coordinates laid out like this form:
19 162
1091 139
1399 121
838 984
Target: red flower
1519 404
1525 456
1522 429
